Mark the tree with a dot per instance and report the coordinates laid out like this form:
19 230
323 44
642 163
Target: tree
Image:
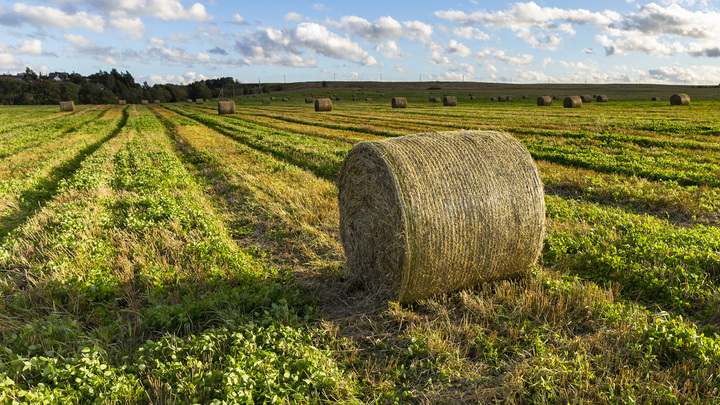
198 90
29 75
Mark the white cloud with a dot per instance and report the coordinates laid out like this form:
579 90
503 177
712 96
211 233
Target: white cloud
399 69
589 51
686 74
471 33
186 78
133 27
390 50
172 56
524 75
523 59
49 16
456 48
292 16
238 19
270 46
29 47
382 29
417 30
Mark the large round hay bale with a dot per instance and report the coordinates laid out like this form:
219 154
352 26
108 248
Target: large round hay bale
199 101
309 100
144 102
449 101
586 98
226 107
572 102
399 102
67 105
601 98
426 214
680 99
323 104
122 102
544 101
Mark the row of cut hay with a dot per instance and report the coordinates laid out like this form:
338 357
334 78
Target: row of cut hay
425 214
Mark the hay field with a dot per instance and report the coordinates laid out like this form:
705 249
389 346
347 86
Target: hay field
163 253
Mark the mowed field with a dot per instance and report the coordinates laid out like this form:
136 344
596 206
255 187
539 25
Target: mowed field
165 254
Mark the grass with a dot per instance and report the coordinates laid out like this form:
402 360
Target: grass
171 255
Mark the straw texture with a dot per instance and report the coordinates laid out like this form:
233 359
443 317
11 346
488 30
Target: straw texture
144 102
156 101
680 99
544 101
122 102
426 214
572 102
399 102
309 100
655 99
586 98
199 101
226 107
323 104
601 98
449 101
189 100
67 105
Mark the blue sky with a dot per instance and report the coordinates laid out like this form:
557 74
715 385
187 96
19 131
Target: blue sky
178 41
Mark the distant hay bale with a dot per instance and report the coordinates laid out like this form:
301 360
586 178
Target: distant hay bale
368 99
572 102
501 98
156 101
309 100
586 98
472 97
189 100
354 98
122 102
470 94
655 99
425 214
449 101
382 94
144 102
399 102
323 104
601 98
337 98
524 97
285 99
555 97
508 98
272 98
199 101
67 106
544 101
680 99
492 98
266 101
226 107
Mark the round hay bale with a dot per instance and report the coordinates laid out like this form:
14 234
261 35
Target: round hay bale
655 99
285 99
67 106
226 107
266 101
309 100
544 101
472 97
399 102
492 98
189 100
354 98
156 101
323 104
680 99
470 94
144 102
449 101
501 98
382 94
508 98
337 98
586 98
122 102
199 101
524 97
555 97
425 214
572 102
368 99
601 98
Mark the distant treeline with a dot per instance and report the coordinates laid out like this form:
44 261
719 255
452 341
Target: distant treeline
109 87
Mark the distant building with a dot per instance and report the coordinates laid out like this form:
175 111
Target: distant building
16 76
58 76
